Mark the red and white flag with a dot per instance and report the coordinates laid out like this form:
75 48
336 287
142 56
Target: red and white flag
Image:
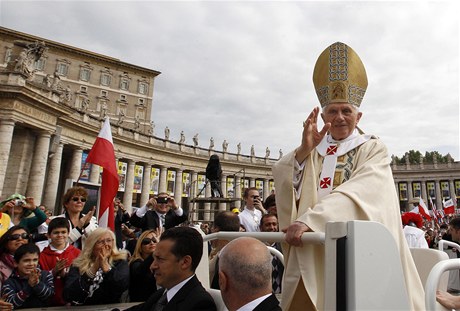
423 210
449 207
102 153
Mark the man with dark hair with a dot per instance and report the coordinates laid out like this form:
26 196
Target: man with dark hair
223 221
245 276
160 212
176 257
252 212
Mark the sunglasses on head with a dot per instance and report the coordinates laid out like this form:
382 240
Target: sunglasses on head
147 241
81 199
17 236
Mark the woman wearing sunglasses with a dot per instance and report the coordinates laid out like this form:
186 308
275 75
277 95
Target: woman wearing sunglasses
100 274
9 243
81 224
142 281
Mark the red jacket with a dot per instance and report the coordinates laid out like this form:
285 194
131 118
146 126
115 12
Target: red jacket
48 259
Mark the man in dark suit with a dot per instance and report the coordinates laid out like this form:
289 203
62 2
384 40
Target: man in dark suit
269 223
160 212
175 259
245 269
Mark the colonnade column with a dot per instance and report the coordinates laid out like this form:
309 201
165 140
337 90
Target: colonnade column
145 194
266 190
128 195
223 187
94 173
52 180
178 187
75 164
163 177
452 192
237 183
6 137
193 194
38 167
410 191
252 182
438 194
424 194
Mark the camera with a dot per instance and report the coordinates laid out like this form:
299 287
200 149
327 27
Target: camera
19 202
162 200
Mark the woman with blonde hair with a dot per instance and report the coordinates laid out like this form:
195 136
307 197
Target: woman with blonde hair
100 274
142 281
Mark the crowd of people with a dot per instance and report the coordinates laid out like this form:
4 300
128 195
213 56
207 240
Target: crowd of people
79 263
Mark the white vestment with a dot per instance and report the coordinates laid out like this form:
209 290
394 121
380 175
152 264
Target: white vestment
363 190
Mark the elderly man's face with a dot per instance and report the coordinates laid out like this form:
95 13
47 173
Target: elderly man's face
343 118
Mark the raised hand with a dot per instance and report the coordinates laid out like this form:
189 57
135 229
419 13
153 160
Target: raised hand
311 137
87 218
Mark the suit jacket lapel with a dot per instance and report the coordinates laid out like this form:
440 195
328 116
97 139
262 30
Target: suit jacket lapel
182 293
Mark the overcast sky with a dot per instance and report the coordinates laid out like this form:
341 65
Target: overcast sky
242 71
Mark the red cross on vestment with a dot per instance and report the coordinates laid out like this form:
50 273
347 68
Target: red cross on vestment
325 183
331 150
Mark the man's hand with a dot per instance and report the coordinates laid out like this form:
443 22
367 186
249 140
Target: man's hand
310 136
294 233
258 205
172 203
151 203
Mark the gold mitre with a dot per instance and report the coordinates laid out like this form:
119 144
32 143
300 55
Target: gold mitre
339 76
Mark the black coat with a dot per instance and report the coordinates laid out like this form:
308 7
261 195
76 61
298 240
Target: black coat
151 220
115 282
270 303
142 281
191 297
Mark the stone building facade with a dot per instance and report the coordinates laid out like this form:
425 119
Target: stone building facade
53 100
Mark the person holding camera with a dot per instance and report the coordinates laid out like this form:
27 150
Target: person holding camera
252 212
160 212
20 210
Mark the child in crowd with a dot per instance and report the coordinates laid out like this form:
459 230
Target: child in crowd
58 256
28 286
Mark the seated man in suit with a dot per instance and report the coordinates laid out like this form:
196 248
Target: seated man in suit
175 259
245 276
269 223
161 212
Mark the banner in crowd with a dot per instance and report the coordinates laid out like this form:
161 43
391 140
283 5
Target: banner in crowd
85 167
138 175
154 180
122 168
170 182
201 183
230 187
271 186
260 187
431 189
186 184
403 191
445 192
417 189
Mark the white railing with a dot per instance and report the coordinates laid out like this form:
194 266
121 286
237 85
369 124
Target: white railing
433 280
